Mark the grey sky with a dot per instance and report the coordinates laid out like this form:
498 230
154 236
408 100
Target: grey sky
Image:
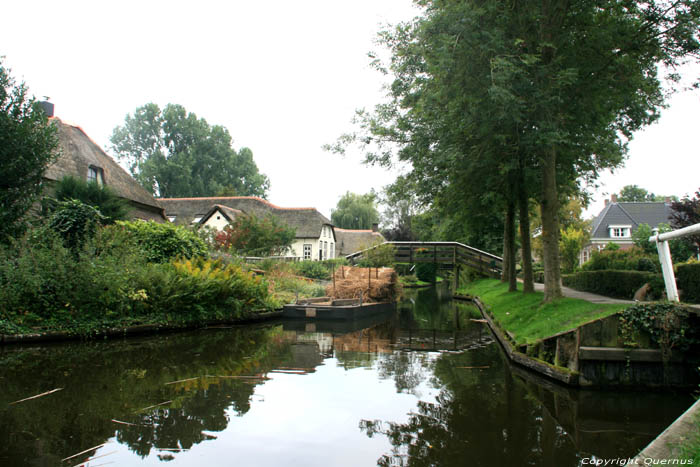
284 78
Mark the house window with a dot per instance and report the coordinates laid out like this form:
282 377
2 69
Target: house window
95 175
307 251
619 231
332 251
196 219
325 250
172 218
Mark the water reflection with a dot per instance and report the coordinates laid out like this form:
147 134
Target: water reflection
426 386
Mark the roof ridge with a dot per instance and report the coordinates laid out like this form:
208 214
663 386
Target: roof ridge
256 198
354 230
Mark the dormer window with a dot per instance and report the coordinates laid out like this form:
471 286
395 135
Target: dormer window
95 175
620 231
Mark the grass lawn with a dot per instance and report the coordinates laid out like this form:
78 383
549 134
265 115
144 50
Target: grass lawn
690 446
526 318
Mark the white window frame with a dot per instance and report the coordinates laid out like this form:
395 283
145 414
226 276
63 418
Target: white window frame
620 231
308 248
332 251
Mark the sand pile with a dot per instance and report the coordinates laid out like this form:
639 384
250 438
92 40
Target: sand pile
373 284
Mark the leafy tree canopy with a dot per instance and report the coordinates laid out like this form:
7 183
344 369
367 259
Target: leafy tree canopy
355 211
27 147
172 153
636 194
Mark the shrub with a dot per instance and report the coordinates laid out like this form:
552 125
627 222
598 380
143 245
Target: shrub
611 283
426 272
688 280
312 269
161 243
379 256
633 259
102 197
252 236
75 222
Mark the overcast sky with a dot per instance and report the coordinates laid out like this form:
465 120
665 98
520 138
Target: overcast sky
284 77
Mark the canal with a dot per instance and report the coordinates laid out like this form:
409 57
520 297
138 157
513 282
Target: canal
425 386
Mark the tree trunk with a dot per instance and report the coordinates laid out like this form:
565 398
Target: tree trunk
525 245
549 206
509 248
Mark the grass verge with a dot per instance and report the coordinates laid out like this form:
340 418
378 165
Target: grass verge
526 318
690 447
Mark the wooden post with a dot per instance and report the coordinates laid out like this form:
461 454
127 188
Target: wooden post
333 274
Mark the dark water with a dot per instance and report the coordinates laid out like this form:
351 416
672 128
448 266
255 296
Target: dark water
426 386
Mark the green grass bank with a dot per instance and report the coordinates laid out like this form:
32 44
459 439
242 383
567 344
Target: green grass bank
526 318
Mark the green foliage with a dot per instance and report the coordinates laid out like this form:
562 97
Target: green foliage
681 249
317 269
102 197
688 281
109 283
632 259
611 283
571 242
426 272
175 154
250 235
75 222
355 211
380 256
161 243
28 146
668 324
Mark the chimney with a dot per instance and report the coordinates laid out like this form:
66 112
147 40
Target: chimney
47 107
613 198
375 227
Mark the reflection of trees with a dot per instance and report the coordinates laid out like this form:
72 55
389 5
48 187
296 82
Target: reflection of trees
408 369
113 380
471 422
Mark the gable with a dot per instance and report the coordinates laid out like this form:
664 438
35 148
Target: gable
78 153
630 214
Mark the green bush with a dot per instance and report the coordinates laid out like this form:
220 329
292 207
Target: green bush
161 243
688 281
312 269
102 197
611 283
632 259
75 222
426 272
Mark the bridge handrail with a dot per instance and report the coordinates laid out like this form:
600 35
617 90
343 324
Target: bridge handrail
399 243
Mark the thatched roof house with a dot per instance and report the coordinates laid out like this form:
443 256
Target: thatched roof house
315 238
83 158
351 241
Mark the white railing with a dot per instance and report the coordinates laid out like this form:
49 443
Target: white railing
665 256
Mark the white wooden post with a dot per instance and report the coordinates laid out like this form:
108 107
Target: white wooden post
665 256
667 269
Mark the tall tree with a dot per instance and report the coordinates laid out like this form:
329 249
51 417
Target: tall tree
561 84
172 153
28 145
685 213
355 211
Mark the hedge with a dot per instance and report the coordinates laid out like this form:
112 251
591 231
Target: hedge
613 283
688 281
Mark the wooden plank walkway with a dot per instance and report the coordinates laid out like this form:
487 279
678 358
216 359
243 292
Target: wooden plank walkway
445 254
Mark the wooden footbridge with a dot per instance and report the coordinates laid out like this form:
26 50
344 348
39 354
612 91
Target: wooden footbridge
447 255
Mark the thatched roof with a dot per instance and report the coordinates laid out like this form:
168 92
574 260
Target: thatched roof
306 221
349 241
78 152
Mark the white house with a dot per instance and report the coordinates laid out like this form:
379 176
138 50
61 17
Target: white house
315 235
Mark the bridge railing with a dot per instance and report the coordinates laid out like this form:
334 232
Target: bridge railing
444 253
